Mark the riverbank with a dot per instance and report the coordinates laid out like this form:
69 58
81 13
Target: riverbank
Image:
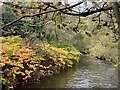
88 73
22 64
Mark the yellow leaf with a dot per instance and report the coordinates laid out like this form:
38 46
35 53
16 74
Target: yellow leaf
15 3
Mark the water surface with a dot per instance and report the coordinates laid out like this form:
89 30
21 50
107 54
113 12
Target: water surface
88 73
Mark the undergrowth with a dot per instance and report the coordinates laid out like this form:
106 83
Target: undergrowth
21 63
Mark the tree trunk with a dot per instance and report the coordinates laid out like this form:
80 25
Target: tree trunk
117 15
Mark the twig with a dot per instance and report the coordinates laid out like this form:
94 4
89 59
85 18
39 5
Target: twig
41 14
61 9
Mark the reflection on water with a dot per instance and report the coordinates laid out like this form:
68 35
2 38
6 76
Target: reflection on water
87 73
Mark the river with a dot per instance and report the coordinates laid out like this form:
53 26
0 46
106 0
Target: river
88 73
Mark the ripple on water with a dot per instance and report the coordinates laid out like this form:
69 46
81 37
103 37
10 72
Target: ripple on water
95 74
88 73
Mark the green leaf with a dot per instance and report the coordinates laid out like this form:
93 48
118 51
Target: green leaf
9 53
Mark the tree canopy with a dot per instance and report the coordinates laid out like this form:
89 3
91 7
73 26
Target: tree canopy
55 6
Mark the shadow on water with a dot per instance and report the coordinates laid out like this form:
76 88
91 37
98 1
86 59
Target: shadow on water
85 74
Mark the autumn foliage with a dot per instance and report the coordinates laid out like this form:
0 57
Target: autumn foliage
21 63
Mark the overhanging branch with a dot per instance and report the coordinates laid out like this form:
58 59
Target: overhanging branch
84 14
41 14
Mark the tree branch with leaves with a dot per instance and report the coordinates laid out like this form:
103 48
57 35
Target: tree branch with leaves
65 10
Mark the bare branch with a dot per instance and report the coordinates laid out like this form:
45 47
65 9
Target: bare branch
41 14
84 14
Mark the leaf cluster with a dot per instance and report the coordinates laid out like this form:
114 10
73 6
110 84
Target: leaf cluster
20 63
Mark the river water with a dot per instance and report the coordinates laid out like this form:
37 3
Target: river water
88 73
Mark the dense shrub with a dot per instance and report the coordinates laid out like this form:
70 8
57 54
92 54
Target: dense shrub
21 63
